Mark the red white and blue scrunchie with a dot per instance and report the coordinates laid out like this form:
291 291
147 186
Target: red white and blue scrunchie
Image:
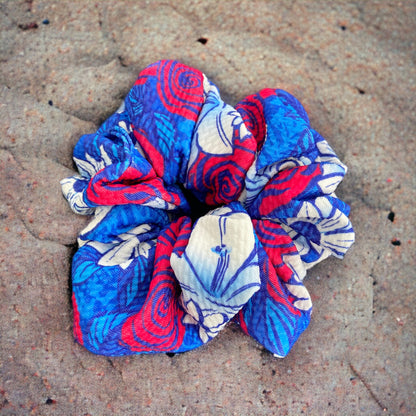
202 213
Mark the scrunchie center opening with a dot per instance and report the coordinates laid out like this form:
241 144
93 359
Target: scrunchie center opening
197 208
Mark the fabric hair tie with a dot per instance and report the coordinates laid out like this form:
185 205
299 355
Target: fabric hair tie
202 214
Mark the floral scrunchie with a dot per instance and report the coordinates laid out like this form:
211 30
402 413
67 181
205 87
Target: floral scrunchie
202 213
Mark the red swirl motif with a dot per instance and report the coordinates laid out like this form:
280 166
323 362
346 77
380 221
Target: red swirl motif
180 88
252 113
221 178
158 325
131 186
225 181
283 189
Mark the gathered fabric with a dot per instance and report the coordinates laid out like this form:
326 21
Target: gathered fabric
202 213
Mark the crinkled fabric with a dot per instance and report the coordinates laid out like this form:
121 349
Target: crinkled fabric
202 214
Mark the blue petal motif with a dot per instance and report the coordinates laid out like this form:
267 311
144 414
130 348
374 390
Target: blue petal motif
103 333
218 271
269 315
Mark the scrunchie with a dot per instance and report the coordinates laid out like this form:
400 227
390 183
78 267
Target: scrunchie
203 213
